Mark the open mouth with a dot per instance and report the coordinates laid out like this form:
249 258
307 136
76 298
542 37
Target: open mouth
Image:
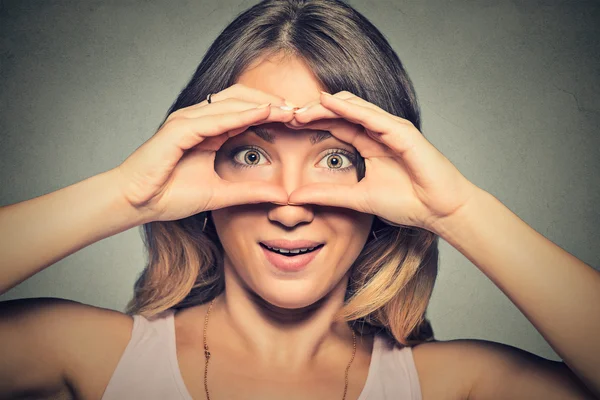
291 253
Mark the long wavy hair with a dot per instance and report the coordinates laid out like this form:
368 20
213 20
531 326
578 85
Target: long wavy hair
392 279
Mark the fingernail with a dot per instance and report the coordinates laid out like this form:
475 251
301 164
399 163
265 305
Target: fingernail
264 105
301 110
325 93
289 106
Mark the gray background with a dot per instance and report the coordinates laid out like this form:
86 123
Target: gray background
508 90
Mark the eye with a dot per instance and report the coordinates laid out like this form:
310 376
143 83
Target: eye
335 159
248 156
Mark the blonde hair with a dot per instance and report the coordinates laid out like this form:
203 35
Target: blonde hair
390 284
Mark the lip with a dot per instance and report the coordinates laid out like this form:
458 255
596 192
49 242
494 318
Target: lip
290 264
291 244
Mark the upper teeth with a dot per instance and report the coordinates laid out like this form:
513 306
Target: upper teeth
296 251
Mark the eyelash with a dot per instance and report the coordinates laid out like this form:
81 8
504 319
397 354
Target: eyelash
346 153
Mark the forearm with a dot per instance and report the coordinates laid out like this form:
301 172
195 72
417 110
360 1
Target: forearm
557 292
39 232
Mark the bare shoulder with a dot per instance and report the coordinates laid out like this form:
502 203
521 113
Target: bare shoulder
440 374
480 369
81 343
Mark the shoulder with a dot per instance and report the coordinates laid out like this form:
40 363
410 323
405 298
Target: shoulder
87 341
480 369
69 323
95 339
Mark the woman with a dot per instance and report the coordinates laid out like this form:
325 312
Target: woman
252 165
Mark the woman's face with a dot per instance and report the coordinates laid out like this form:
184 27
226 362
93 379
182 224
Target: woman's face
289 158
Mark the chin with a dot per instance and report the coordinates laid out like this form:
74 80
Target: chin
299 294
291 299
291 295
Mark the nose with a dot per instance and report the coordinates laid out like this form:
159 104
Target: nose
288 215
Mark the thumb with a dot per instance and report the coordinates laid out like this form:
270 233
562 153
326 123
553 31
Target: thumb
249 192
325 194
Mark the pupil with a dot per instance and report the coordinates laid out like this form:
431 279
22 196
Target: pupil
334 161
251 157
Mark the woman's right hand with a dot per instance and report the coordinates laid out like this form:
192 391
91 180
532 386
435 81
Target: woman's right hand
171 176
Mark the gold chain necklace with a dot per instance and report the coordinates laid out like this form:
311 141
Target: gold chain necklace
207 355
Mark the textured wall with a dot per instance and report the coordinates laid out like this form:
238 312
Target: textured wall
509 92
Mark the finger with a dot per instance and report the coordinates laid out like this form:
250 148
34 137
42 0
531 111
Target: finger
236 91
315 113
189 132
335 195
237 193
243 92
214 143
345 95
315 110
366 143
228 105
398 134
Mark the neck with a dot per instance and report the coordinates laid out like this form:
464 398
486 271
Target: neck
280 337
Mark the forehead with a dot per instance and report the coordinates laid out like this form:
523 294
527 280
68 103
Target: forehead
268 133
287 77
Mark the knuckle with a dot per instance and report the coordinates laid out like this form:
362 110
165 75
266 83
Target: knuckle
218 125
174 115
171 124
280 100
227 93
236 87
406 122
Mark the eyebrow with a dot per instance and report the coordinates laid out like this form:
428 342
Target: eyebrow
265 135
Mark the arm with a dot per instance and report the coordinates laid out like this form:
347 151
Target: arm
39 232
51 348
557 292
500 371
476 369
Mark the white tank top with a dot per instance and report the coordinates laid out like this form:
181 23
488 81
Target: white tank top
148 368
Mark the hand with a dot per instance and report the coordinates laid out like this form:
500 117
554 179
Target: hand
172 175
407 180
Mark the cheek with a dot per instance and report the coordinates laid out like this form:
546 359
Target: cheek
352 220
351 230
227 225
236 226
219 220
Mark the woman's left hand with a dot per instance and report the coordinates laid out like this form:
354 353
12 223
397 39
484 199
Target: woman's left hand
407 180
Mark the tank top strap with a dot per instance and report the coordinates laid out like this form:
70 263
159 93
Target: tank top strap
395 375
182 390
